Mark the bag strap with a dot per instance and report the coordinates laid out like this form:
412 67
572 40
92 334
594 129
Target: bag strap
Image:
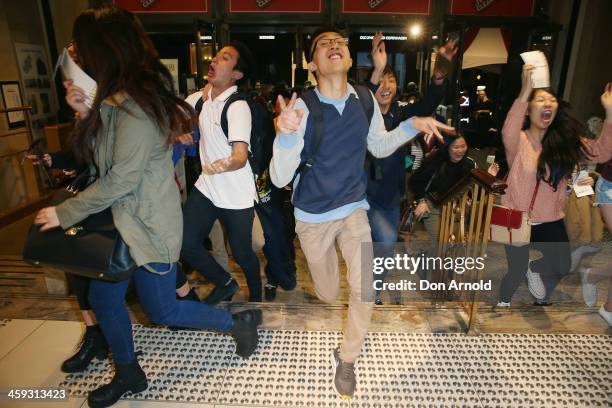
533 197
236 96
366 100
314 109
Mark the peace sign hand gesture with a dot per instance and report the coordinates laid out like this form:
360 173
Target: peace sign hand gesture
290 118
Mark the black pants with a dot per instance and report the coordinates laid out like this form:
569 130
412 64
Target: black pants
550 238
199 215
278 249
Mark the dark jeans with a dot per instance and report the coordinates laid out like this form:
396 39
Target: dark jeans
199 215
157 297
550 238
280 266
384 224
80 286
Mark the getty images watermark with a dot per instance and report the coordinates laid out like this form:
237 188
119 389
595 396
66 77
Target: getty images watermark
404 272
406 264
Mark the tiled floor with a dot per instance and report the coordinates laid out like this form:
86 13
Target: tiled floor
292 369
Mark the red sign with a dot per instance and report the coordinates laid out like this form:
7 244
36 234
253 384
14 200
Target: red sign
163 6
387 6
275 6
498 8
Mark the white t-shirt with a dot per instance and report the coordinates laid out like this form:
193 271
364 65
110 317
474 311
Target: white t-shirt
232 190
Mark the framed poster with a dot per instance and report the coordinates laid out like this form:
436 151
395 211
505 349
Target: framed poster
36 78
11 97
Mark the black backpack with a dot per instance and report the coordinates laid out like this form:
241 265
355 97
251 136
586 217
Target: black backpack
313 104
262 132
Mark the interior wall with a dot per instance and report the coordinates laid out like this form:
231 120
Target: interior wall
20 22
592 60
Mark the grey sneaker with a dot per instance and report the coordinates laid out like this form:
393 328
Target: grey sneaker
344 377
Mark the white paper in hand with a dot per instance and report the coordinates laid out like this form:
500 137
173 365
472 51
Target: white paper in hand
540 76
582 191
72 71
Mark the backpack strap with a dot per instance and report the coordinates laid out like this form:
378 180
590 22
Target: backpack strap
366 100
313 104
198 105
236 96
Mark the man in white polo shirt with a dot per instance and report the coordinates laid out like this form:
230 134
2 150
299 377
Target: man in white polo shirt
226 189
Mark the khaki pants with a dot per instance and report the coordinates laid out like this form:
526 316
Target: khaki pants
318 244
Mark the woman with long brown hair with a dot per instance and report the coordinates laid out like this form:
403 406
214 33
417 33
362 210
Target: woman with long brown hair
544 144
125 139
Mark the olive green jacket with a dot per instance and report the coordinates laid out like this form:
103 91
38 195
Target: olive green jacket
136 181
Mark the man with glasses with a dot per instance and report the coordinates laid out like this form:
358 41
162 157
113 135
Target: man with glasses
322 140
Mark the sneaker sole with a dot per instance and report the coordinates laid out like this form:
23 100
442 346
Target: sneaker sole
334 366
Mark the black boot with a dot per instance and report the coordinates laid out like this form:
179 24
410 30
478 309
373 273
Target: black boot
93 344
221 293
244 331
128 377
269 292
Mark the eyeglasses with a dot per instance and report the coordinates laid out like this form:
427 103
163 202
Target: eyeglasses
327 42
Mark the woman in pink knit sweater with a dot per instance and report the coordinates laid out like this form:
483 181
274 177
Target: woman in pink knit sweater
543 145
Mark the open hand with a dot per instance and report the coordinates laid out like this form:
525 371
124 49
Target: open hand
448 50
290 118
186 139
421 210
47 219
379 54
431 128
493 169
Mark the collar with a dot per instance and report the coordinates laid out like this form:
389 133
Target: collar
223 95
349 90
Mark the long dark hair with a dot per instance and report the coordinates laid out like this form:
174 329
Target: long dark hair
562 145
114 49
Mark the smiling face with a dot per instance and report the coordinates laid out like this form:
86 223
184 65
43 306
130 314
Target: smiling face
221 72
330 54
543 108
457 149
386 91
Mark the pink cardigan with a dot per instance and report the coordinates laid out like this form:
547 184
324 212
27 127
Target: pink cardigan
522 153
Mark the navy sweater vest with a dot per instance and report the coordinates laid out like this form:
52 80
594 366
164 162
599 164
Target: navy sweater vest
337 177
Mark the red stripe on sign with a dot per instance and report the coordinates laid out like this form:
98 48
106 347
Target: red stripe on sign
498 8
274 6
163 6
422 7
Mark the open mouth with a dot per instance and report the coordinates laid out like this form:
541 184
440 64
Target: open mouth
385 94
211 70
546 115
335 55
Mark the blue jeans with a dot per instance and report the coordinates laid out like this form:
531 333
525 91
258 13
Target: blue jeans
384 223
280 266
157 297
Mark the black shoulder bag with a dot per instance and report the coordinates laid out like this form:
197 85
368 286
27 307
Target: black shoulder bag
92 248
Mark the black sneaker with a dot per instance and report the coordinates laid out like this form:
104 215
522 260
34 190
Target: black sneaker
269 292
245 332
344 376
221 293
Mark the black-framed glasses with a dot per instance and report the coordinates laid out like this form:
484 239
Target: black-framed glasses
328 42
